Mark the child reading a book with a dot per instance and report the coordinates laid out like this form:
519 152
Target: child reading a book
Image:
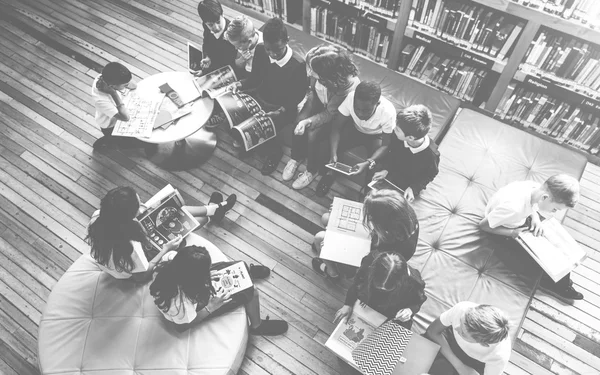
473 338
278 82
393 225
333 75
107 95
412 158
184 293
512 206
244 37
364 118
389 286
217 51
118 240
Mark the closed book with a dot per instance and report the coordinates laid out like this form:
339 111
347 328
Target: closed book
405 57
510 41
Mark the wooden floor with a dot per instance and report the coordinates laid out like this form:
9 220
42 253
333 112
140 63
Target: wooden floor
51 182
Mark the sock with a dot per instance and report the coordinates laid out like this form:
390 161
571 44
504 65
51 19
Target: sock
211 208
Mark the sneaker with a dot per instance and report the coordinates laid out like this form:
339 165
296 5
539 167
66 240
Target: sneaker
220 212
270 328
321 268
566 294
290 170
303 180
104 143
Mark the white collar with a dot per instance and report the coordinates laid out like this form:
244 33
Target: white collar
223 23
416 150
285 59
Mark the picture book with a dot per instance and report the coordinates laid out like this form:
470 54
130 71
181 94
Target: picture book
384 184
165 218
232 279
348 335
346 238
555 251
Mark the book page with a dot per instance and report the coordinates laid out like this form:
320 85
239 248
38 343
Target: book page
215 80
142 115
256 130
347 217
341 248
232 279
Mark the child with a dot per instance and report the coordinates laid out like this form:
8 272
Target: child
117 239
412 159
394 228
373 120
244 37
389 286
279 83
107 94
473 338
183 291
217 51
333 75
510 207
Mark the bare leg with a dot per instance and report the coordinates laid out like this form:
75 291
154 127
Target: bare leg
331 268
196 211
253 310
325 219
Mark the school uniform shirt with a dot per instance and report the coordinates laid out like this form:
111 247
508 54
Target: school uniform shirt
106 108
411 167
511 205
140 263
382 121
218 49
495 356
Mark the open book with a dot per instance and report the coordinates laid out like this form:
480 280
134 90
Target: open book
556 251
165 218
143 112
232 279
346 239
346 336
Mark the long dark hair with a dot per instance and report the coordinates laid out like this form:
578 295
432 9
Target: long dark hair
110 235
186 276
389 217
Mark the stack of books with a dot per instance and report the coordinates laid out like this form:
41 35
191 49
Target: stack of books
573 63
586 12
469 25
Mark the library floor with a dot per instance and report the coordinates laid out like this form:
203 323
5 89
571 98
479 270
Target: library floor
51 182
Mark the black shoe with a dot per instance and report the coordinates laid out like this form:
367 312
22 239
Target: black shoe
216 198
567 294
271 164
259 272
220 212
317 265
325 184
104 143
270 328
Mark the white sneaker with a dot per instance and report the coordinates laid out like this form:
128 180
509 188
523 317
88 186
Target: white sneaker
303 180
290 170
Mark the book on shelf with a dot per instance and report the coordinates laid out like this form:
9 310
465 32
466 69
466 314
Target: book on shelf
585 12
272 8
555 251
469 25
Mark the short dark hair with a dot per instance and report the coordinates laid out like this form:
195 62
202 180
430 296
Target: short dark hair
563 189
414 120
368 91
210 10
115 73
275 31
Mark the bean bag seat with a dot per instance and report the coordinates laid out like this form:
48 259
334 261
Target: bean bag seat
95 324
459 262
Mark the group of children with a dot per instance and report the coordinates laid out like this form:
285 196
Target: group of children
331 110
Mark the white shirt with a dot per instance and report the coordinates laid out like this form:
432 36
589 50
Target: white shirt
382 121
495 356
511 205
181 311
106 108
416 150
140 263
285 59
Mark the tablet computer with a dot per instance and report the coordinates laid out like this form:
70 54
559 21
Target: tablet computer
194 57
383 184
340 167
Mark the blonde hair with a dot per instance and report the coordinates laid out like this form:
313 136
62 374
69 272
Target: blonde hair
414 120
389 216
240 29
563 189
331 63
486 324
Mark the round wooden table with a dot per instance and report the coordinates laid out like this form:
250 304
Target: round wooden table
185 143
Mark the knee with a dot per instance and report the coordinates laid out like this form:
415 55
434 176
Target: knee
325 219
318 241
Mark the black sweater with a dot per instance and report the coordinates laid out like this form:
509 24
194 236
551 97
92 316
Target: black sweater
220 51
410 170
283 86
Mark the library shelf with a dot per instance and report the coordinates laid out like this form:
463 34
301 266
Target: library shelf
353 53
354 11
253 13
566 84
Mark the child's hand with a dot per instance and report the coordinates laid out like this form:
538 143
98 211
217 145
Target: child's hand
234 87
359 168
132 85
403 315
173 244
409 195
216 302
302 126
515 232
205 63
380 175
104 87
344 313
536 226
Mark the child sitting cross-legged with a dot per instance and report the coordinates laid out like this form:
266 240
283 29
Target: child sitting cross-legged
412 158
183 291
473 338
509 209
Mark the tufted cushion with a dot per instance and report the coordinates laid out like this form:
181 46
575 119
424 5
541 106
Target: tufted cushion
458 261
96 324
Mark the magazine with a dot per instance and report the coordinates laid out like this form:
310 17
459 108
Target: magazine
143 112
346 238
231 279
384 184
556 251
347 335
216 82
165 218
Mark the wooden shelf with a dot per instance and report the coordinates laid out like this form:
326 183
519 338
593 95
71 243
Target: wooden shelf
353 53
252 13
355 12
520 76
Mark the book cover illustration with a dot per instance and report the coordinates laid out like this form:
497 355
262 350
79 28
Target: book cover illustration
232 279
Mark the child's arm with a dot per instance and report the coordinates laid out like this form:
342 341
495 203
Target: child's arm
484 225
435 332
260 61
428 174
147 275
336 130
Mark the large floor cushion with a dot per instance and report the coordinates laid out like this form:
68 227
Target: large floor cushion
95 324
459 262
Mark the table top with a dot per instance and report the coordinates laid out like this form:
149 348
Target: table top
183 84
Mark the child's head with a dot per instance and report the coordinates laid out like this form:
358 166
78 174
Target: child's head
275 38
187 275
413 123
120 204
366 99
210 12
387 274
116 75
484 324
240 33
331 65
389 216
561 191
